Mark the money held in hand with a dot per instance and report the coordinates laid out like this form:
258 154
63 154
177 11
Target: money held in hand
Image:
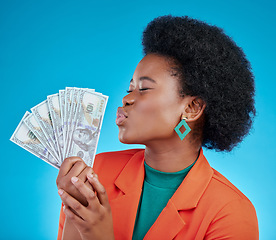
66 124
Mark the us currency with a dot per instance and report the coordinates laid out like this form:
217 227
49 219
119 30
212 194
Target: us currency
26 139
32 123
61 104
67 106
55 113
42 115
72 117
89 117
73 121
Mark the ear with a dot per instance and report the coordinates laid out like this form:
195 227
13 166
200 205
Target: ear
194 108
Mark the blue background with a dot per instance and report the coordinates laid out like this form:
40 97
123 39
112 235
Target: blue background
48 45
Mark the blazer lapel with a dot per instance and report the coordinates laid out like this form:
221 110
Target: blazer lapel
169 223
124 207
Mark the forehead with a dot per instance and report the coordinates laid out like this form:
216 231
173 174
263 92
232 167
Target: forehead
157 70
152 65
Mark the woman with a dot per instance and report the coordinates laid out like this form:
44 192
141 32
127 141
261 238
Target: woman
192 89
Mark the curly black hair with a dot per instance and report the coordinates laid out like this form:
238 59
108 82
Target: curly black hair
212 67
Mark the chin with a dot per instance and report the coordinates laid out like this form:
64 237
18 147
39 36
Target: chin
125 141
128 140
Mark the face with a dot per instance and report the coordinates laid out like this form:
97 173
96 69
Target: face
82 137
152 108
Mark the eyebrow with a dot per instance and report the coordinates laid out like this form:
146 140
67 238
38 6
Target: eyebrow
145 78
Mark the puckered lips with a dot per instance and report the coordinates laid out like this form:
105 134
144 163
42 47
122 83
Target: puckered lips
121 116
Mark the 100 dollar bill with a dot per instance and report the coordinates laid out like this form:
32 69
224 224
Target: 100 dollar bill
55 113
66 124
26 139
84 138
42 115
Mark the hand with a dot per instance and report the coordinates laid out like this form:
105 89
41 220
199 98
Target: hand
73 167
95 220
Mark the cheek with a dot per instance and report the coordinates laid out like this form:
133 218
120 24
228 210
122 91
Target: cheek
153 105
145 108
160 113
166 106
153 118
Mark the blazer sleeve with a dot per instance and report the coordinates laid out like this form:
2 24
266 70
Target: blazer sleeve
236 220
61 223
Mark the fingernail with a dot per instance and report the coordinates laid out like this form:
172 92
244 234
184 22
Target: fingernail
60 191
74 179
90 175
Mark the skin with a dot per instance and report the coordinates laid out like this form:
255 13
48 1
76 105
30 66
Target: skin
88 215
153 108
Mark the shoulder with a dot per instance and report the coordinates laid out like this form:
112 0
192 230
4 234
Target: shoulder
233 213
221 209
212 186
221 186
221 193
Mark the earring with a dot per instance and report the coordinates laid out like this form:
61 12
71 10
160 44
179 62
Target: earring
187 128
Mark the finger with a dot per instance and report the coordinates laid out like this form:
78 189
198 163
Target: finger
83 174
67 165
77 169
76 207
83 177
72 215
86 192
99 188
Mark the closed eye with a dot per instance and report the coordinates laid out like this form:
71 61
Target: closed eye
141 90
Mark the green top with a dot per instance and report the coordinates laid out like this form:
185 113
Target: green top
158 188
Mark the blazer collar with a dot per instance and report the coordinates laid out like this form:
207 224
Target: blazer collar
132 176
124 206
194 184
187 196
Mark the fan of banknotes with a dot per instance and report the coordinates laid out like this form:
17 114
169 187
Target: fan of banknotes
66 124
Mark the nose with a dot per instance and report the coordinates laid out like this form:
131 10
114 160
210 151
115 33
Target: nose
128 99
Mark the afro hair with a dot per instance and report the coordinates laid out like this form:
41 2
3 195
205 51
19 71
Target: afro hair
211 66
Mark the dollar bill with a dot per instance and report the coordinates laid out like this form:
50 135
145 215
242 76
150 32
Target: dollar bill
72 117
67 110
34 126
61 105
55 113
66 124
26 139
89 117
62 108
42 115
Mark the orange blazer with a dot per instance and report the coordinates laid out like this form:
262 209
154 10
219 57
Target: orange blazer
205 206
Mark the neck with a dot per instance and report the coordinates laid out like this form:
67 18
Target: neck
171 156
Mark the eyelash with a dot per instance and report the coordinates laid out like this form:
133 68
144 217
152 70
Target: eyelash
141 89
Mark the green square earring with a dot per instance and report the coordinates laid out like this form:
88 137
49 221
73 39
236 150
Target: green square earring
187 129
